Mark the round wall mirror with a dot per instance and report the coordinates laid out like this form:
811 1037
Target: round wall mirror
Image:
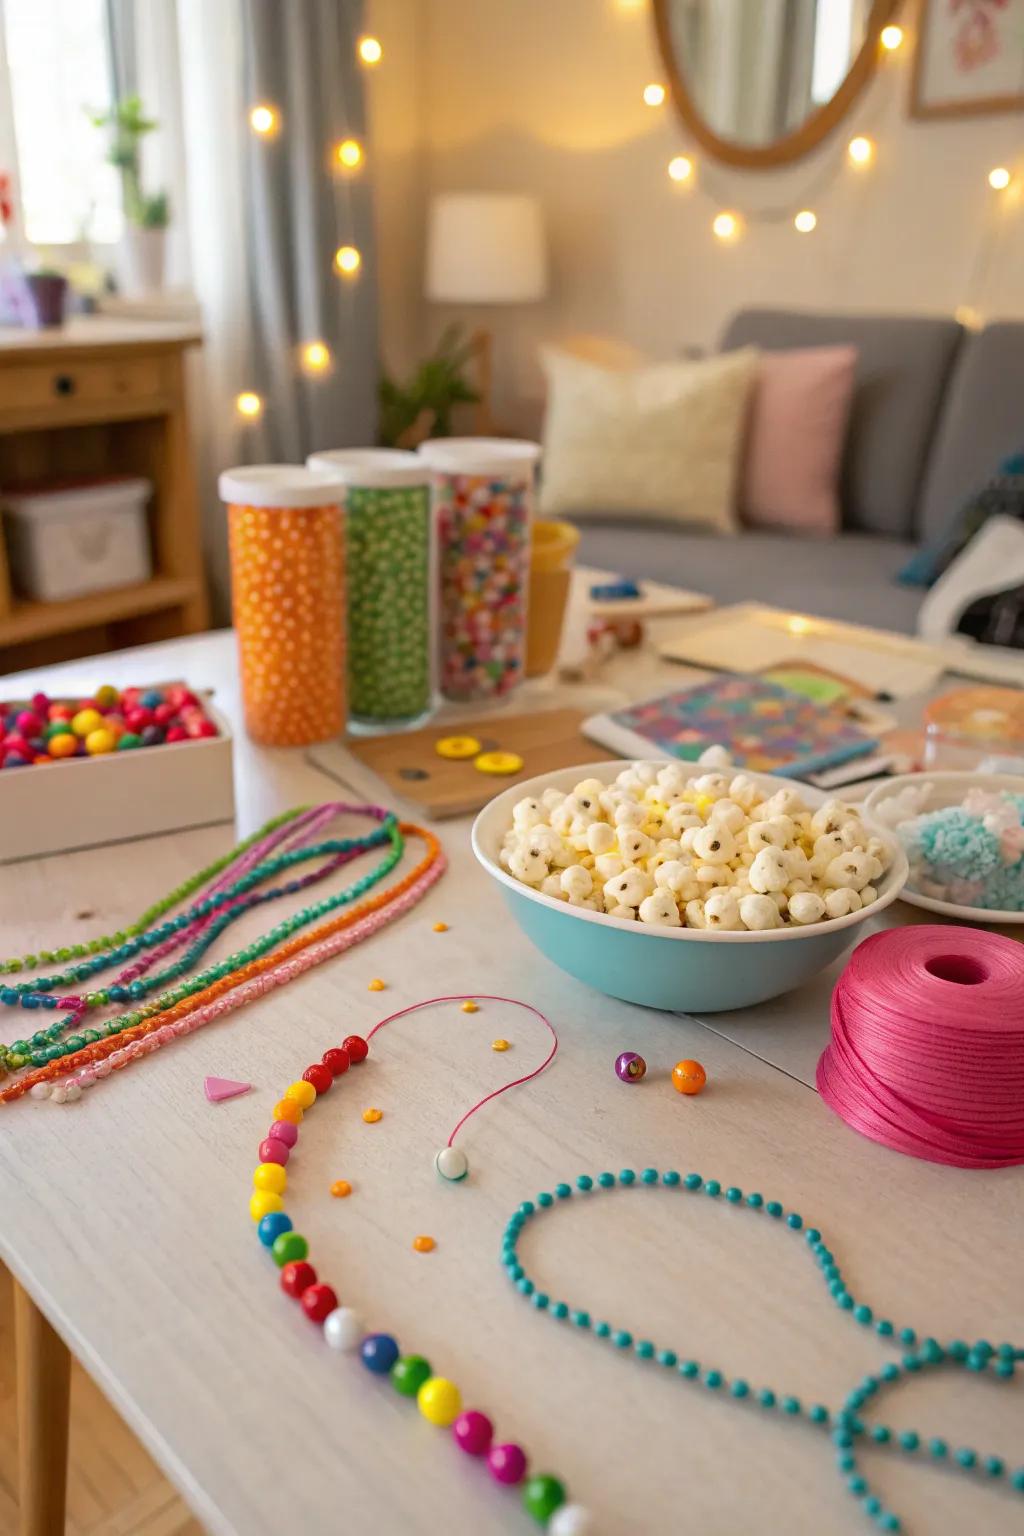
761 82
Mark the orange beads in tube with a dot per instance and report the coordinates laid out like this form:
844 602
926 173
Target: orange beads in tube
288 599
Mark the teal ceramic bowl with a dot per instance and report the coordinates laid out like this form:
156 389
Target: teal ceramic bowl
685 970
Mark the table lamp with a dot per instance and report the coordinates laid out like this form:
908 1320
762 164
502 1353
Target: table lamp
485 248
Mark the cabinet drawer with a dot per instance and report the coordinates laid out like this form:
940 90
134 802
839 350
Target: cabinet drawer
69 386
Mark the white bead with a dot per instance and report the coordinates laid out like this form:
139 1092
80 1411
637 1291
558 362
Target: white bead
571 1520
59 1095
452 1163
714 757
342 1329
39 1091
72 1091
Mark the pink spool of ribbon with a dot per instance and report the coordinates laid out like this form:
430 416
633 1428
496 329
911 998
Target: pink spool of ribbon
927 1047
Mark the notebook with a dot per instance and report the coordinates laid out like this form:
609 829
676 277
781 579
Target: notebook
761 726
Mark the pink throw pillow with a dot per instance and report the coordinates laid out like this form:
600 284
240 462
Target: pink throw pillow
800 405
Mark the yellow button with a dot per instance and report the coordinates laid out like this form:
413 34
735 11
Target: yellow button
498 762
457 747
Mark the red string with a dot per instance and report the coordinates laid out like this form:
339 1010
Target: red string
927 1047
468 997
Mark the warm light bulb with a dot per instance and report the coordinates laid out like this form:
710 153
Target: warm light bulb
999 179
349 153
726 226
315 357
681 168
370 50
347 260
805 221
891 37
248 404
860 150
264 120
654 95
798 625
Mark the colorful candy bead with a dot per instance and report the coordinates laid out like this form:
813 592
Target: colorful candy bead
288 1109
452 1164
571 1520
320 1077
507 1463
542 1495
688 1077
318 1302
297 1277
63 745
337 1060
263 1203
85 721
284 1130
272 1227
301 1093
100 741
274 1151
439 1401
343 1330
630 1067
379 1351
289 1247
356 1047
472 1432
270 1176
409 1373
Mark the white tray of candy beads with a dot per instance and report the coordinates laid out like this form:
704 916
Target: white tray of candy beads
913 794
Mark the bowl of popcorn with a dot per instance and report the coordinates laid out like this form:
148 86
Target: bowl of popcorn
682 886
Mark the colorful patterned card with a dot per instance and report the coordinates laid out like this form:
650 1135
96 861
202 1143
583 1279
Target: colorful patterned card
761 725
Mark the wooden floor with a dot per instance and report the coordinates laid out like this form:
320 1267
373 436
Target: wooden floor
114 1487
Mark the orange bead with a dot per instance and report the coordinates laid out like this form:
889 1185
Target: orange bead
688 1077
287 1109
371 1116
423 1244
470 1007
340 1188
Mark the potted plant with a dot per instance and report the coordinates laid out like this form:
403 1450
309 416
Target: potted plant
422 407
47 291
147 214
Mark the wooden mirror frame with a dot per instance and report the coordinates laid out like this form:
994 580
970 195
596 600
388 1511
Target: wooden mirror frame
803 139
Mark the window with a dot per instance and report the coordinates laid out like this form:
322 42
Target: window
59 70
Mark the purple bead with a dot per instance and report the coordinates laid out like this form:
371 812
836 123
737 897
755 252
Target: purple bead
283 1130
473 1432
153 735
507 1463
274 1151
630 1067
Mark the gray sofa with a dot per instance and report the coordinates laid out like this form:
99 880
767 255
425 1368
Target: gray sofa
935 410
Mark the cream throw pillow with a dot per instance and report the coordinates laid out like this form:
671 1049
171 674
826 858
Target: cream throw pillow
660 441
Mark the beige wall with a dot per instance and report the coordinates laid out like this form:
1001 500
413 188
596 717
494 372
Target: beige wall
545 96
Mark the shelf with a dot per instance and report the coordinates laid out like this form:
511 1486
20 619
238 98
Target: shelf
31 620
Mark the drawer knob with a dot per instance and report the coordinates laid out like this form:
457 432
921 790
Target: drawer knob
64 384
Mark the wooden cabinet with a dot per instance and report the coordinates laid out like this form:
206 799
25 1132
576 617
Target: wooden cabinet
103 397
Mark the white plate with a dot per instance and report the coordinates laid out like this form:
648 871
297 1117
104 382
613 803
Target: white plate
948 789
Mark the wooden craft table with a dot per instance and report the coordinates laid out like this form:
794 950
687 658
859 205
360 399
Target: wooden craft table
124 1222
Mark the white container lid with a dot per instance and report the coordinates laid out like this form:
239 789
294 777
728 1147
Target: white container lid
280 485
61 503
480 455
372 466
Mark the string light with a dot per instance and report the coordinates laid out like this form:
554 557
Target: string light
264 120
861 150
999 179
370 50
249 404
349 153
726 226
805 221
347 260
654 94
891 38
316 357
969 317
680 168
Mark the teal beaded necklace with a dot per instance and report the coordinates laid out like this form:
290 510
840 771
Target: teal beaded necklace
847 1428
46 1045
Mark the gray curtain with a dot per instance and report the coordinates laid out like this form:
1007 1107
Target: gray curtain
300 56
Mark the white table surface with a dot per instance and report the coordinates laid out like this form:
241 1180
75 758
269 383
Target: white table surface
125 1217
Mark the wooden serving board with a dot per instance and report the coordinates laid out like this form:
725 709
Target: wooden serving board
546 742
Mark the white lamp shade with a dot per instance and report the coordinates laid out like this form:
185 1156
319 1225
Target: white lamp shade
485 248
